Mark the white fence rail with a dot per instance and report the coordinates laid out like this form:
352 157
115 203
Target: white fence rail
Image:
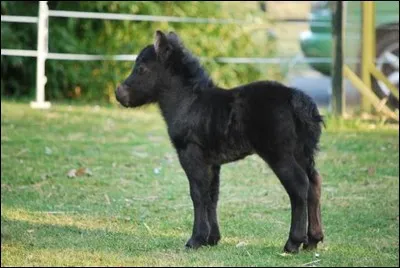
132 17
125 57
42 53
22 19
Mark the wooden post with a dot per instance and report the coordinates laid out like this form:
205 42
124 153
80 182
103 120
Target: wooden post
338 93
368 48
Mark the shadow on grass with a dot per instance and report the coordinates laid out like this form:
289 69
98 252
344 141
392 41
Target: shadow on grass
49 236
54 236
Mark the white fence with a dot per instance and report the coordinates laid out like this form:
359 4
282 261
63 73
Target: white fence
42 53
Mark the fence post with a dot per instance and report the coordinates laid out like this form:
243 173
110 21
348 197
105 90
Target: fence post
42 50
368 48
338 94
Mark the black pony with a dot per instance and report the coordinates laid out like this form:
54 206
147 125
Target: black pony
210 126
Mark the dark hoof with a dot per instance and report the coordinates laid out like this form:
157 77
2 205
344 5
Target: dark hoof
311 244
213 240
194 244
292 247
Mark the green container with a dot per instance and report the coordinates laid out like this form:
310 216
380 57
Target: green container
317 41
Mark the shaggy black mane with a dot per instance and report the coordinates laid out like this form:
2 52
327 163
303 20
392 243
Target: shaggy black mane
183 62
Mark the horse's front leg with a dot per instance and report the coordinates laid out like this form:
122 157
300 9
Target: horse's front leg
200 176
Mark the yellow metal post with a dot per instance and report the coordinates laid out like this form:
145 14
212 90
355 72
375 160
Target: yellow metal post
368 47
368 67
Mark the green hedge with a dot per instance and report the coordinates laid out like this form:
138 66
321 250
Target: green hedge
96 80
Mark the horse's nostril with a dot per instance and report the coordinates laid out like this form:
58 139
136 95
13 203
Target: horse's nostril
118 90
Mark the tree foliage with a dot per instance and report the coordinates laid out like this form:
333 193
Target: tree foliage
96 80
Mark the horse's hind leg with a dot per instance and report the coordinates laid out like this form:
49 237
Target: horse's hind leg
315 233
295 182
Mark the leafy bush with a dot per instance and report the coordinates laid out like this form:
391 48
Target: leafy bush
96 80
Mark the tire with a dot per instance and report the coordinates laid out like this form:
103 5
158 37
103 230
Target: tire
387 41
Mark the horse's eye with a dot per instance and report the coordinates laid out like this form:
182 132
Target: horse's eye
141 69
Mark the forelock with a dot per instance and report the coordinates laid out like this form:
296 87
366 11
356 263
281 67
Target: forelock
148 53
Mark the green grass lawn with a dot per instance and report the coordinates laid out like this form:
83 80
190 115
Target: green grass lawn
135 208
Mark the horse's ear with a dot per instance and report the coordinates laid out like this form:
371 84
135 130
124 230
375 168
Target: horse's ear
173 37
162 46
